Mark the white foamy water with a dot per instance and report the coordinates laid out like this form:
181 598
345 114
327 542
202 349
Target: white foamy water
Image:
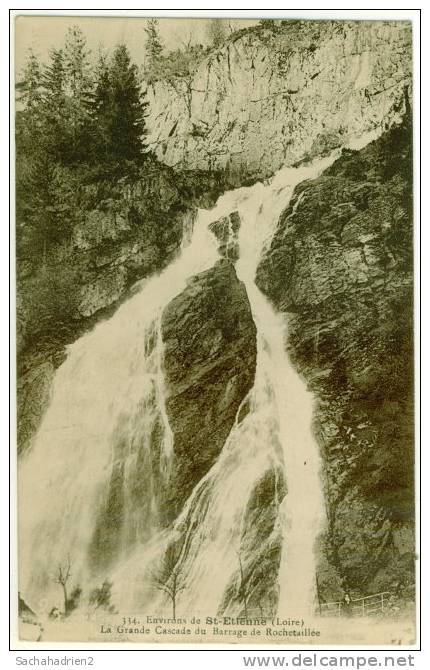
105 400
108 396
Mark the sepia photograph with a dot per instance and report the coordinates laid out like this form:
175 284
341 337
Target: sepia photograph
215 330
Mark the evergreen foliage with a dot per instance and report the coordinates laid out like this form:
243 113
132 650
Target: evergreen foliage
78 86
153 44
127 111
80 136
79 127
75 123
30 84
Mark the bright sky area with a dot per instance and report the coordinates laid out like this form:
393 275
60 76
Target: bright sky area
42 33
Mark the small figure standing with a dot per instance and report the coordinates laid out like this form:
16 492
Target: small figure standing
347 605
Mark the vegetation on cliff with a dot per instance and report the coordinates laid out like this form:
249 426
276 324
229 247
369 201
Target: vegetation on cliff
85 182
79 130
95 210
340 266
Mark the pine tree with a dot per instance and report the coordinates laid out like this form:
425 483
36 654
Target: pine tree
43 146
54 77
153 45
29 88
101 109
28 135
126 123
54 107
28 121
76 63
78 87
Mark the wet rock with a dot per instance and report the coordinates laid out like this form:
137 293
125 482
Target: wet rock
103 291
226 230
340 267
256 576
209 356
33 394
131 229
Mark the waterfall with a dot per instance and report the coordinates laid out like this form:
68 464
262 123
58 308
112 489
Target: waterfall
108 397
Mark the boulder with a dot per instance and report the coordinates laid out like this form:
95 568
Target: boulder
209 356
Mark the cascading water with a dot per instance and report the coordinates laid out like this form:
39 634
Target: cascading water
108 397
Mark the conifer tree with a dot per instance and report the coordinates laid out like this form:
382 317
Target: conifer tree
76 62
29 144
78 88
153 45
29 88
101 109
54 77
54 107
126 122
28 117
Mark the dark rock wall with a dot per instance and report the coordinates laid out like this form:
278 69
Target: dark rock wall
209 356
254 586
226 230
340 266
133 229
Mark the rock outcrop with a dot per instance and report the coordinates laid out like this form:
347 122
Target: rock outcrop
226 230
256 577
268 97
340 266
265 99
133 229
209 355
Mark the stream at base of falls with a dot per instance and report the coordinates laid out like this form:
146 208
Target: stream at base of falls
112 384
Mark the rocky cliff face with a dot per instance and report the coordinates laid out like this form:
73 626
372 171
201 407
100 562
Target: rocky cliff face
340 267
268 97
265 99
128 230
260 549
209 355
